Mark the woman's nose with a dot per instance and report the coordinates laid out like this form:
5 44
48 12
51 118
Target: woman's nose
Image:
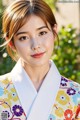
35 45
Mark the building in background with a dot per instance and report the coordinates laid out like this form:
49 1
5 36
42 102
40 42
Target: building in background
68 14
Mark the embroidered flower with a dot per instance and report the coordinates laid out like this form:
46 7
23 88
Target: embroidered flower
6 81
78 112
62 98
18 111
59 112
64 81
12 95
6 103
1 91
71 91
76 98
68 114
51 117
7 113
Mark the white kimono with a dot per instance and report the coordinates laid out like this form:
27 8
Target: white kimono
40 105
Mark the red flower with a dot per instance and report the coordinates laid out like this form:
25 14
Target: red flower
68 114
78 111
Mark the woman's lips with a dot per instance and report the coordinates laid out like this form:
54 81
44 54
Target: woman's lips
38 55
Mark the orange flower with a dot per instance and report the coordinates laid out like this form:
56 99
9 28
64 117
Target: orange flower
68 114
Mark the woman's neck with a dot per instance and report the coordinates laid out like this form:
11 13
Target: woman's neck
37 74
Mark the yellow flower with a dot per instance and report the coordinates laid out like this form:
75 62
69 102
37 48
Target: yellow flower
75 108
6 81
62 98
13 95
59 112
6 91
6 103
1 101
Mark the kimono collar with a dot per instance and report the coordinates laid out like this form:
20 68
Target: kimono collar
37 105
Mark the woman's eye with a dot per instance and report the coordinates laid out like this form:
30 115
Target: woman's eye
23 38
42 33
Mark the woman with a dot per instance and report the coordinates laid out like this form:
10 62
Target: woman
34 89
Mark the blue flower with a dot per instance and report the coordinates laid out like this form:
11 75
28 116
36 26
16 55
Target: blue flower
74 86
76 98
1 91
51 117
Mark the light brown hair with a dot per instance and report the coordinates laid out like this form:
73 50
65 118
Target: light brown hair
17 13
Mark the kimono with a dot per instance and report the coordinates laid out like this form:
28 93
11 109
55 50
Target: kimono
57 99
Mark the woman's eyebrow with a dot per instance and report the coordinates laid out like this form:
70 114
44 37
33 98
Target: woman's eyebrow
21 33
27 32
41 27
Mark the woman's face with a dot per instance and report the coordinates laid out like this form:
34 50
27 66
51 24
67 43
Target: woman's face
34 42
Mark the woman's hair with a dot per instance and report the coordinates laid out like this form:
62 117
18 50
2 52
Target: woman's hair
16 15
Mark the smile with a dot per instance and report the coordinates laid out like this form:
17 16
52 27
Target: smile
38 55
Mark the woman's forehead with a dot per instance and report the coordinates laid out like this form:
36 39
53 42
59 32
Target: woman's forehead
34 22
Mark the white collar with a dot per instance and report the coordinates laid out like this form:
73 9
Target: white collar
33 103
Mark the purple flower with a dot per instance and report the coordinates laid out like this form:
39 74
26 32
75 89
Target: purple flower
71 91
63 81
18 111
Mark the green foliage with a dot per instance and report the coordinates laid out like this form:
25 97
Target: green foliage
6 64
67 55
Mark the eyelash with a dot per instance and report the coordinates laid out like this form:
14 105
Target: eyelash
42 33
23 38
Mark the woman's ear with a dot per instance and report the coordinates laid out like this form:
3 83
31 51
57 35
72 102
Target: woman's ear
55 28
10 44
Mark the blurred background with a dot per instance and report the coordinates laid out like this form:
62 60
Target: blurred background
66 55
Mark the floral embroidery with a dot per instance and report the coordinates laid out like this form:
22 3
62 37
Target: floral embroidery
59 112
78 112
68 114
6 102
76 98
51 117
64 81
66 106
7 112
1 91
9 101
71 91
62 97
12 95
6 81
17 110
